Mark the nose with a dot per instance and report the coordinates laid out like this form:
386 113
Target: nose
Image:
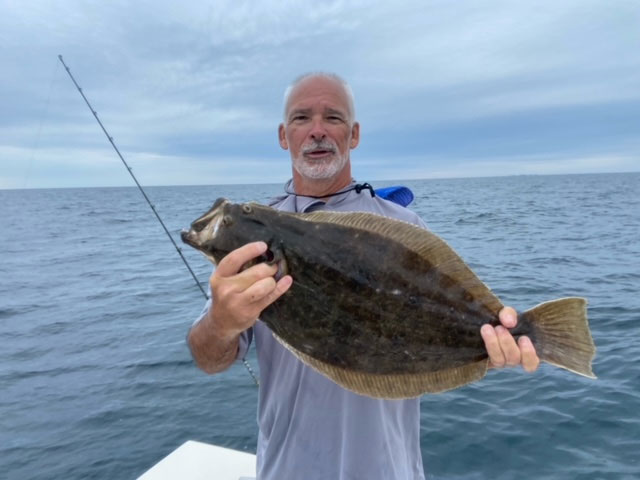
317 132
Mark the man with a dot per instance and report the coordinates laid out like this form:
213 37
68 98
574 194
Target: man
311 428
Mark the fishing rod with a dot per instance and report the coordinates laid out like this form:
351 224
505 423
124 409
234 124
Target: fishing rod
153 208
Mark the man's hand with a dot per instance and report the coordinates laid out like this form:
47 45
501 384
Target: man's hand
237 300
239 297
502 348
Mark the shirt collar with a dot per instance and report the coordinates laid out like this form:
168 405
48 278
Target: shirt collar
299 203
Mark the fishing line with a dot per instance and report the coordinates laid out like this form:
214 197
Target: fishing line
153 208
45 111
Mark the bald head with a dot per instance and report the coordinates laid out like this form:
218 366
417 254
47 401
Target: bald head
332 77
319 130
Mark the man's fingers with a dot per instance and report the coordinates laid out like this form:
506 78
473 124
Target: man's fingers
501 346
231 264
236 284
530 360
249 304
253 274
493 346
281 287
259 290
509 347
508 317
504 351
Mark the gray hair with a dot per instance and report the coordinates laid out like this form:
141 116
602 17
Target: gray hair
331 76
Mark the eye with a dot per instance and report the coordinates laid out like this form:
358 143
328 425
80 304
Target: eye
227 220
246 208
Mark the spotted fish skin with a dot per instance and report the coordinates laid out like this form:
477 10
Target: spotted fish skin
373 300
358 302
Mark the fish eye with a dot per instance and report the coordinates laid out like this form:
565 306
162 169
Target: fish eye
227 220
246 208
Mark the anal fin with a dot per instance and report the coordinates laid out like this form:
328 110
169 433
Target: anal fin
395 386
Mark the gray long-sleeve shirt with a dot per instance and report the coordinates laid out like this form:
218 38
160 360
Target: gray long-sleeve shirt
311 428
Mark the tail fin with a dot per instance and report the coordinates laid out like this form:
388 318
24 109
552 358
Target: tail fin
561 334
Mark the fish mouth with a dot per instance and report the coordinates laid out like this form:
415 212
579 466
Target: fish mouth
191 238
197 235
188 237
204 229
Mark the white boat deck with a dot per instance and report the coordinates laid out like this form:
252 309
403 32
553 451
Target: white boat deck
201 461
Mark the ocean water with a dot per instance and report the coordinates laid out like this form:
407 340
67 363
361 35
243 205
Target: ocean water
96 381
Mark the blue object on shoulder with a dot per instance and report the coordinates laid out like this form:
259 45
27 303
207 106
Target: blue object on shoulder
397 194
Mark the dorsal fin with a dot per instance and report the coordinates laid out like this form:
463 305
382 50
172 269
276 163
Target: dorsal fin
421 241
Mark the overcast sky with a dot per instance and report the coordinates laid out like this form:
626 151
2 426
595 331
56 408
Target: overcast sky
192 91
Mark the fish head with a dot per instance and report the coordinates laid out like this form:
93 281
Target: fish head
228 226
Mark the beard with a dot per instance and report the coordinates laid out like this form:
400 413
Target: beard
322 168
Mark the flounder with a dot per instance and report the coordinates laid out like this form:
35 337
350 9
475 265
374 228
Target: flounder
380 306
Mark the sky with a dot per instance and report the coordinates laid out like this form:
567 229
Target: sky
191 92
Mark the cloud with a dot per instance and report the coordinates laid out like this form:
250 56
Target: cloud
58 167
200 82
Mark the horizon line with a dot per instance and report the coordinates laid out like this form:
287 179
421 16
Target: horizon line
373 180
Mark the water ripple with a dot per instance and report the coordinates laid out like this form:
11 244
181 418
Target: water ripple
97 381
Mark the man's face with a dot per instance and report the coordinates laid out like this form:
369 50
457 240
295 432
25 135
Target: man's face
318 129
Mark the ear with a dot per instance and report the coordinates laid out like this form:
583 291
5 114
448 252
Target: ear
282 137
355 135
